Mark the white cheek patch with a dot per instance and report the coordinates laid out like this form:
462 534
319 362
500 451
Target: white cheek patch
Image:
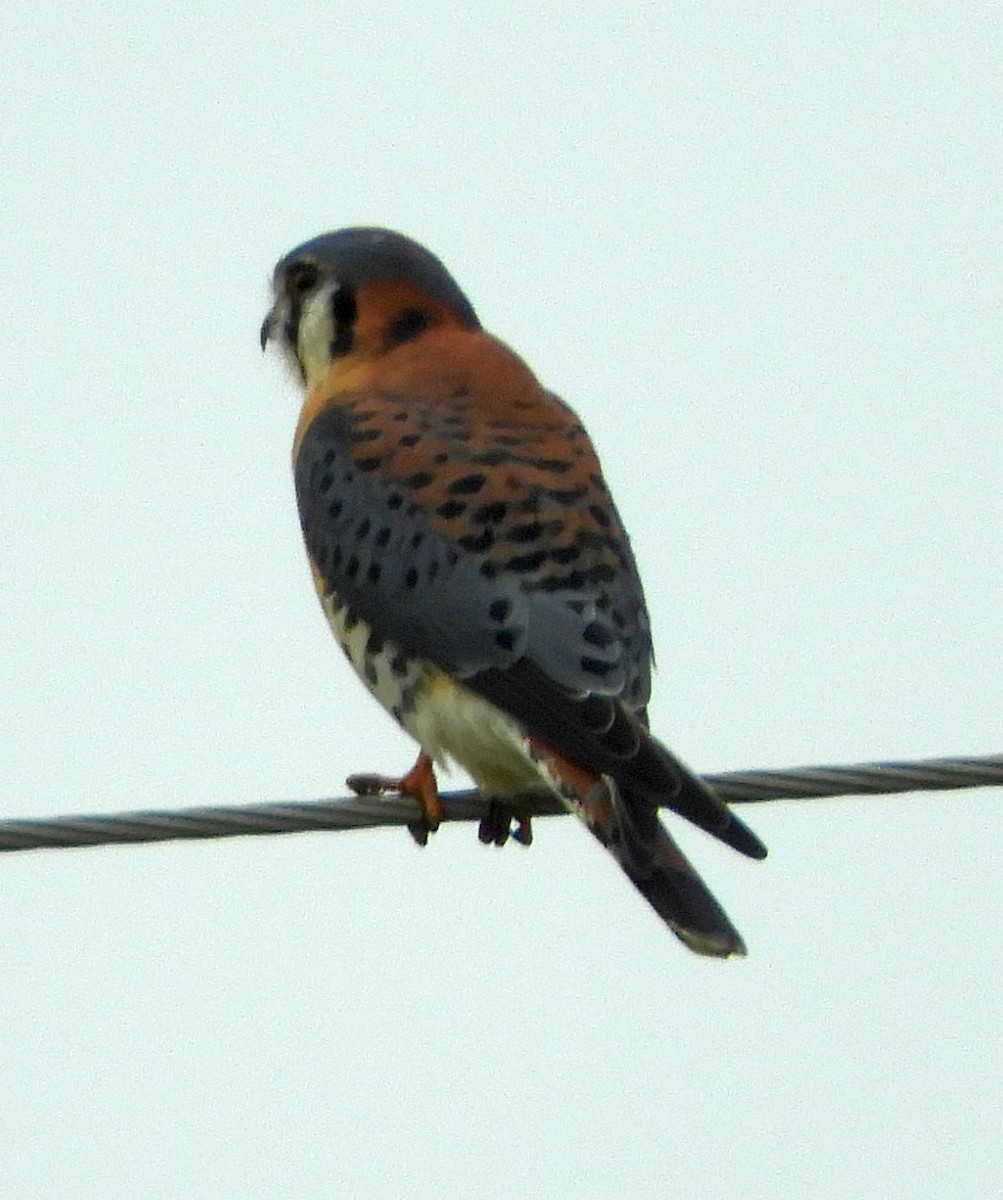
316 332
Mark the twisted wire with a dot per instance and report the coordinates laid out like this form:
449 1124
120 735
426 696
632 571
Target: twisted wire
366 812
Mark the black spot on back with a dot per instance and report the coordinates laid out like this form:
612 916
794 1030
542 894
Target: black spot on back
567 495
492 513
492 458
527 562
570 582
556 465
528 532
466 485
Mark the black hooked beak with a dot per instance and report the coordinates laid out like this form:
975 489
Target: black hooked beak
267 326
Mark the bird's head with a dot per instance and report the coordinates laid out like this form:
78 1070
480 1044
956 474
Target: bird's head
361 292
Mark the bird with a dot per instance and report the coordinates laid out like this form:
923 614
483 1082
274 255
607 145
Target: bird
473 566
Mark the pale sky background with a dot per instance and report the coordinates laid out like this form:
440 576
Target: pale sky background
757 247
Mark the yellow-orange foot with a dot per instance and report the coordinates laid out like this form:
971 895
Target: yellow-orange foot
496 827
419 783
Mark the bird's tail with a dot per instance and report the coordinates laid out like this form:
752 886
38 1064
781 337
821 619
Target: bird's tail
658 868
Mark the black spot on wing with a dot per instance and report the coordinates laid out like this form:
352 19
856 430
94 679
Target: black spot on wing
498 610
380 555
507 638
598 635
531 531
567 496
522 563
490 513
466 485
477 543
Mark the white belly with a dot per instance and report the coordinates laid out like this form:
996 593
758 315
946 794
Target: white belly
447 719
450 721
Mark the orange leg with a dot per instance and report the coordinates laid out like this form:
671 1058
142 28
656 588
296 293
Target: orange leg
419 783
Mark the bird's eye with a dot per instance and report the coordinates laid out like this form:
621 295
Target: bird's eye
301 278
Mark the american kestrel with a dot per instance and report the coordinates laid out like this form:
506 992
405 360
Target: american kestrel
473 567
